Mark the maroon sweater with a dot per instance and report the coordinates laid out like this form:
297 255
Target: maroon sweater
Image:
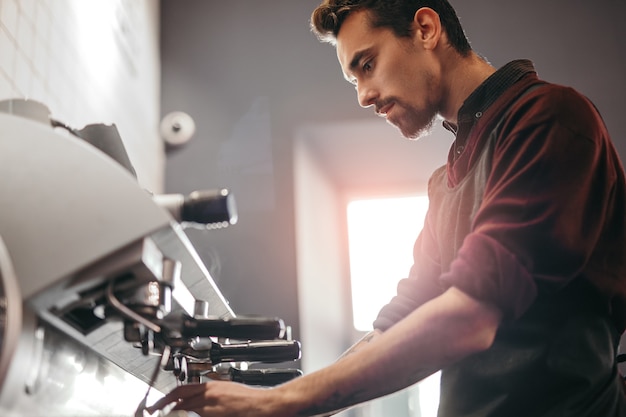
528 215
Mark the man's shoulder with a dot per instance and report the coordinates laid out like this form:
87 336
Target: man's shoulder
557 94
556 103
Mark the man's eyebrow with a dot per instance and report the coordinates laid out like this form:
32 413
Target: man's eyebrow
354 64
357 58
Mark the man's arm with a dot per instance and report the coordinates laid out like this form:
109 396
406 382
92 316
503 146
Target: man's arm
354 348
361 343
439 333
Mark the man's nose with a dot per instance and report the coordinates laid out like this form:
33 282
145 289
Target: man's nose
366 95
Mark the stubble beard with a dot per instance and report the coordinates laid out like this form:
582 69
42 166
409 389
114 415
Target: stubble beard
415 123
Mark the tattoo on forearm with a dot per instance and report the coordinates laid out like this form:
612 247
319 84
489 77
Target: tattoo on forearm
335 402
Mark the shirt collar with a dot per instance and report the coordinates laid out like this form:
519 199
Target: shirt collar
490 89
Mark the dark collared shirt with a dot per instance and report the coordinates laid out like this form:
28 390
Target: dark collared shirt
475 107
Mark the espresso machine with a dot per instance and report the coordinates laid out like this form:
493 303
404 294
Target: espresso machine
103 299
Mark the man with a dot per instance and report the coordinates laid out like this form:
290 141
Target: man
518 289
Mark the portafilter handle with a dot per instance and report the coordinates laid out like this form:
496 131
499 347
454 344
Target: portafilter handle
204 208
268 352
240 328
272 351
263 377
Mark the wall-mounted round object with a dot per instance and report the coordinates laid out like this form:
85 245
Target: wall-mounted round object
177 128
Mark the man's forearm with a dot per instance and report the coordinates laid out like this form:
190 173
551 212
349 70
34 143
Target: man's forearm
439 333
351 388
361 343
354 348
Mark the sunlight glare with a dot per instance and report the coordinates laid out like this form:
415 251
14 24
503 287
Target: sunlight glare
381 234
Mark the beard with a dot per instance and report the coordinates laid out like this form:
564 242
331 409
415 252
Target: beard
413 123
416 122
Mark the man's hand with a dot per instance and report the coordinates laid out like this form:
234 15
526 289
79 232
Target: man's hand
222 398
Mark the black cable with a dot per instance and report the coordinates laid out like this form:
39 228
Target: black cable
165 356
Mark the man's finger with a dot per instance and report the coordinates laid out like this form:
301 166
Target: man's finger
176 395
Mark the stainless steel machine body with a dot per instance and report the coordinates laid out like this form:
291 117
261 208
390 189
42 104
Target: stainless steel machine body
96 279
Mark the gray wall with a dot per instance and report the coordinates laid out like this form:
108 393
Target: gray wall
251 74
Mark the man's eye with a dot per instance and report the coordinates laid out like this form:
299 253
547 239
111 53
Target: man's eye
367 66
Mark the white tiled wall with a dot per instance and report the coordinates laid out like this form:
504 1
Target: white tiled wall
89 61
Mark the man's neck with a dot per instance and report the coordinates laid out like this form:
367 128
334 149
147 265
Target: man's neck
463 76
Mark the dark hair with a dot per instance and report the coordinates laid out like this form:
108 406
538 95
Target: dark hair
397 15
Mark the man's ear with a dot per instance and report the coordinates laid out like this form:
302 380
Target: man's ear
427 28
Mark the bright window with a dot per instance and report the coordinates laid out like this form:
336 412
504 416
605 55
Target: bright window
381 234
